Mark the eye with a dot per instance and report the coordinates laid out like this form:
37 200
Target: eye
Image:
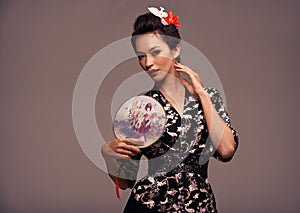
156 52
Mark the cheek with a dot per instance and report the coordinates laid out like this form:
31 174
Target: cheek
161 60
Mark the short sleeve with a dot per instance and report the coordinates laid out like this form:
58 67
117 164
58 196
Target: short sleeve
131 168
220 107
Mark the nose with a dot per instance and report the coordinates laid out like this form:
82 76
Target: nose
148 62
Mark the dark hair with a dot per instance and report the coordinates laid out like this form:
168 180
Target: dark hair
150 23
148 106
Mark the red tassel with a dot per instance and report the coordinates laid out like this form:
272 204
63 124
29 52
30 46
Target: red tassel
117 188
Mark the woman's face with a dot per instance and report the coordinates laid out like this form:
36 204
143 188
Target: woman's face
155 56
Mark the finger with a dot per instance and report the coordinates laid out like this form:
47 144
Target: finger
195 80
132 142
191 74
121 151
186 70
115 153
132 150
123 156
117 148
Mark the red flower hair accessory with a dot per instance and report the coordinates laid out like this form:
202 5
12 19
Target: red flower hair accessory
166 18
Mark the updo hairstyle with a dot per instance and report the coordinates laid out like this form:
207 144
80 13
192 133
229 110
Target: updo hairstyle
148 23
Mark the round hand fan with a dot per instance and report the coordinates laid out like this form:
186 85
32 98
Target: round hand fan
140 120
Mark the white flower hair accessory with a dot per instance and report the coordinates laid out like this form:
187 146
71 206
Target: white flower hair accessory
166 18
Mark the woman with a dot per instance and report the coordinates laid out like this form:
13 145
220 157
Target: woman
197 128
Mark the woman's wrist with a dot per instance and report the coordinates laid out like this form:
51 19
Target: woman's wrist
105 151
202 94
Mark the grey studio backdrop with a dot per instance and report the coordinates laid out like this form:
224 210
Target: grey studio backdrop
44 45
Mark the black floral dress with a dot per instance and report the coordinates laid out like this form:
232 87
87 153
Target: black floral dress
178 161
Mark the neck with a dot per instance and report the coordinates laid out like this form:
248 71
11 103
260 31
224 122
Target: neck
170 85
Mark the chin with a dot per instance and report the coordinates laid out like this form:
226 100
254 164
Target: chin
155 79
159 77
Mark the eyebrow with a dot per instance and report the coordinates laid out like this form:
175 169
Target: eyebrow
138 52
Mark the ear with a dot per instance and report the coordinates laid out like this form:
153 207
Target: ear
176 51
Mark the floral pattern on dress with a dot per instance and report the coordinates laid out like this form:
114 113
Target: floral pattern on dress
178 161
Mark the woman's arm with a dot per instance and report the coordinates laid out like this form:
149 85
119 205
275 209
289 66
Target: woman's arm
221 135
113 153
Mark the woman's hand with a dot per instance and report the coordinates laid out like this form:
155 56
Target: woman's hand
194 86
120 148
